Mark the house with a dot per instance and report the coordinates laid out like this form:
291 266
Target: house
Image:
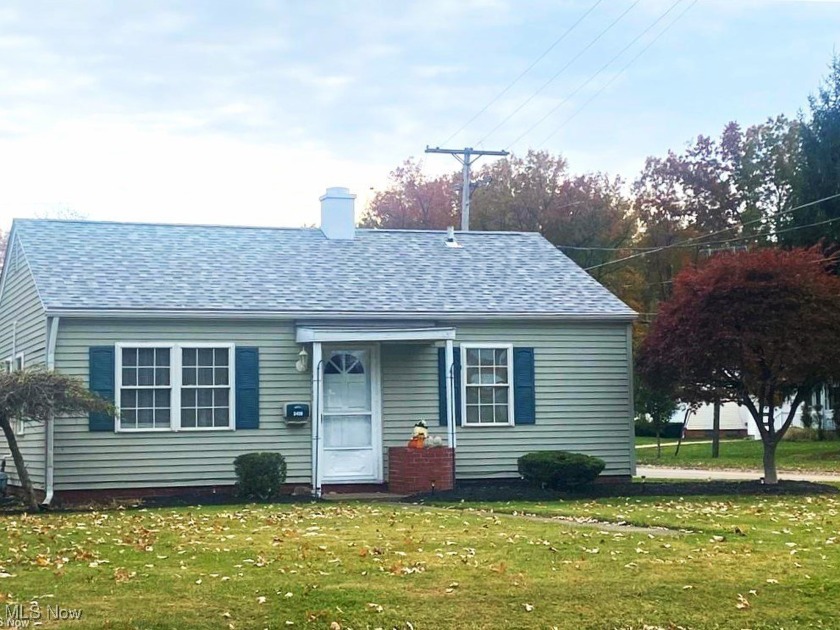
734 420
737 422
326 345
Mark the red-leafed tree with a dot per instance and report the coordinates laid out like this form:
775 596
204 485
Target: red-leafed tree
415 202
754 327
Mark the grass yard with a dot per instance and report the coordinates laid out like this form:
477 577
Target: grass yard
376 565
746 454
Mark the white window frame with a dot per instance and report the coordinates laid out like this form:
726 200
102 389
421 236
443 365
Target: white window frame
175 385
231 384
496 346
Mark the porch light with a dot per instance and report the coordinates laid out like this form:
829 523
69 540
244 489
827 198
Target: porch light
302 363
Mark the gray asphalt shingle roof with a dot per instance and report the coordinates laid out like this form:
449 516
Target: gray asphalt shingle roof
81 265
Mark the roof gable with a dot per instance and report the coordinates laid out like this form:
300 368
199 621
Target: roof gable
81 265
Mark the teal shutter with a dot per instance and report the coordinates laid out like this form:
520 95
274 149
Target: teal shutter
524 401
247 388
101 377
456 360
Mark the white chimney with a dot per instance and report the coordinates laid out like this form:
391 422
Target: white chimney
338 216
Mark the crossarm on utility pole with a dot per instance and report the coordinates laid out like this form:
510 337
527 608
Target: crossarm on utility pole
467 157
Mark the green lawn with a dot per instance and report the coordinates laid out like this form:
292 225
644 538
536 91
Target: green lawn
640 441
746 454
376 565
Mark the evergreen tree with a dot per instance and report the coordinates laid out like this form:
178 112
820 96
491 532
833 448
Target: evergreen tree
819 173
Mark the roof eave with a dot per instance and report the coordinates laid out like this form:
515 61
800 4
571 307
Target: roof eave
336 315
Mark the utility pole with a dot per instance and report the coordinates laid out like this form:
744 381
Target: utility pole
467 157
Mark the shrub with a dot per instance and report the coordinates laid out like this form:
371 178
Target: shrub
645 428
798 434
806 416
559 469
260 475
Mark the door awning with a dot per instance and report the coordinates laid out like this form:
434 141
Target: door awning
325 334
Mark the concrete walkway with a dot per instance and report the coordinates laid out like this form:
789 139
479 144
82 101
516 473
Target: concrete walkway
662 472
684 443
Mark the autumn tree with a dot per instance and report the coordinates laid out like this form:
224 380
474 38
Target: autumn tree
414 201
35 395
734 186
769 166
679 197
586 216
753 327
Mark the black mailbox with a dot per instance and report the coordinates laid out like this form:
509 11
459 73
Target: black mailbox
297 411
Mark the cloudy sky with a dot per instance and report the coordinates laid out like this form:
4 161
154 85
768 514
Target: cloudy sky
243 112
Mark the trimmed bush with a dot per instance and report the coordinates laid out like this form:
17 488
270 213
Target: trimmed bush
671 431
559 469
260 476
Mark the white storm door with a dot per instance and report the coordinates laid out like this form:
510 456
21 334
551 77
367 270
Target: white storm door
350 436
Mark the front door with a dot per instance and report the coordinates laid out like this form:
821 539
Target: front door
350 431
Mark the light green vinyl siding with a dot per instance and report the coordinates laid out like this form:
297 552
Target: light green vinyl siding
409 393
583 403
23 328
582 397
89 460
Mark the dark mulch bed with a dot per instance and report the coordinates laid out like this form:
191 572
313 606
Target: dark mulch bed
12 505
520 491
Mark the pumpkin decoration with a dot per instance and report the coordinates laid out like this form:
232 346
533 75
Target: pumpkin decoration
419 435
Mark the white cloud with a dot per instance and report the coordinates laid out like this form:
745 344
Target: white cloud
244 114
114 171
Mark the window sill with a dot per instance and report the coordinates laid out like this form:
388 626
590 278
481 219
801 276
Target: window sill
179 430
484 425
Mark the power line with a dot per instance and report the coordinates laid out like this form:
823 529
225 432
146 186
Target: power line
557 74
603 249
594 76
619 73
686 244
827 260
697 238
524 72
790 229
